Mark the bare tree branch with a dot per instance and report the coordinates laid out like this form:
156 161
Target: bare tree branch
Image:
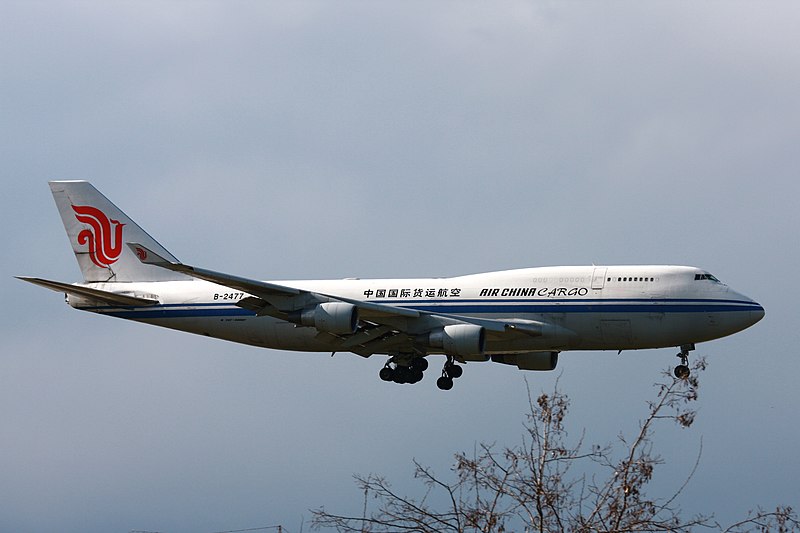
531 486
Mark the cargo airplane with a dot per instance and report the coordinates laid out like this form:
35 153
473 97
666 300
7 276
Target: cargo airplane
523 317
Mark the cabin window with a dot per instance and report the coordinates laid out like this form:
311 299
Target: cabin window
647 279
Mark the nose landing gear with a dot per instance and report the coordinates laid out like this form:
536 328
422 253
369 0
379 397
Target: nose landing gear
682 370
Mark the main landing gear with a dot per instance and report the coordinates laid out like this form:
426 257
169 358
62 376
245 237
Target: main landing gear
450 372
410 368
682 370
410 372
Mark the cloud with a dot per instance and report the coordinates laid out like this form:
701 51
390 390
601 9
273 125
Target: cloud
311 140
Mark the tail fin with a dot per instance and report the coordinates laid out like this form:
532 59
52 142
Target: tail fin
98 230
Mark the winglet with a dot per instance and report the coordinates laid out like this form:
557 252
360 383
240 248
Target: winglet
148 256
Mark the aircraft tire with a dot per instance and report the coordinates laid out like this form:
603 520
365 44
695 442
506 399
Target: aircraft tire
444 383
455 371
403 374
386 373
682 371
420 363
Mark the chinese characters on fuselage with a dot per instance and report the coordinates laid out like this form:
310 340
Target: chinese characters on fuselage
503 292
413 293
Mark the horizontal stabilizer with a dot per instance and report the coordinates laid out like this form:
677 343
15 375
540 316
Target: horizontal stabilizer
112 298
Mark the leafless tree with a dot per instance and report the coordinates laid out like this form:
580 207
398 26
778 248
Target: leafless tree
548 484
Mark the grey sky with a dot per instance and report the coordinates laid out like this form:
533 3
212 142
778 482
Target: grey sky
386 139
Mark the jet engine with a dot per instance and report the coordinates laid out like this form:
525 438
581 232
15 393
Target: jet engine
529 360
464 340
331 317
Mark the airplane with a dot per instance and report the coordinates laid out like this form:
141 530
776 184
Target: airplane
524 317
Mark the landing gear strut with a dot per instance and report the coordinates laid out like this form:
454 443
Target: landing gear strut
682 370
450 372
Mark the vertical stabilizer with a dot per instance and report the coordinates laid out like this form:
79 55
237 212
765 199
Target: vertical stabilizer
98 230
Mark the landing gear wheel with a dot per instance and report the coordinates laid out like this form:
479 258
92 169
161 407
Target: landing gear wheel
404 368
450 371
455 371
444 383
402 374
420 363
681 371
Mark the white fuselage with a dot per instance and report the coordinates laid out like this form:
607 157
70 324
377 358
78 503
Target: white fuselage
588 307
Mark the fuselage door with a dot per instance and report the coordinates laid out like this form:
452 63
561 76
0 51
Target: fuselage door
599 278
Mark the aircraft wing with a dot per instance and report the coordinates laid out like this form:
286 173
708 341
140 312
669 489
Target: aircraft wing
257 288
279 300
281 296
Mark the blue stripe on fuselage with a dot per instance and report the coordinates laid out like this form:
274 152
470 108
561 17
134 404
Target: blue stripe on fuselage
476 306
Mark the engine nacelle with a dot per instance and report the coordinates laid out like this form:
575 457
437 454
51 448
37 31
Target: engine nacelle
464 340
529 360
331 317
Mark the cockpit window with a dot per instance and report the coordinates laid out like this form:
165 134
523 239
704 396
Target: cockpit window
706 276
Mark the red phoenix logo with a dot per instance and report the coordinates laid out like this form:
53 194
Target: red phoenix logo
105 241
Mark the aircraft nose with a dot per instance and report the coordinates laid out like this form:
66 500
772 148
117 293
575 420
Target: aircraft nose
754 311
757 313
